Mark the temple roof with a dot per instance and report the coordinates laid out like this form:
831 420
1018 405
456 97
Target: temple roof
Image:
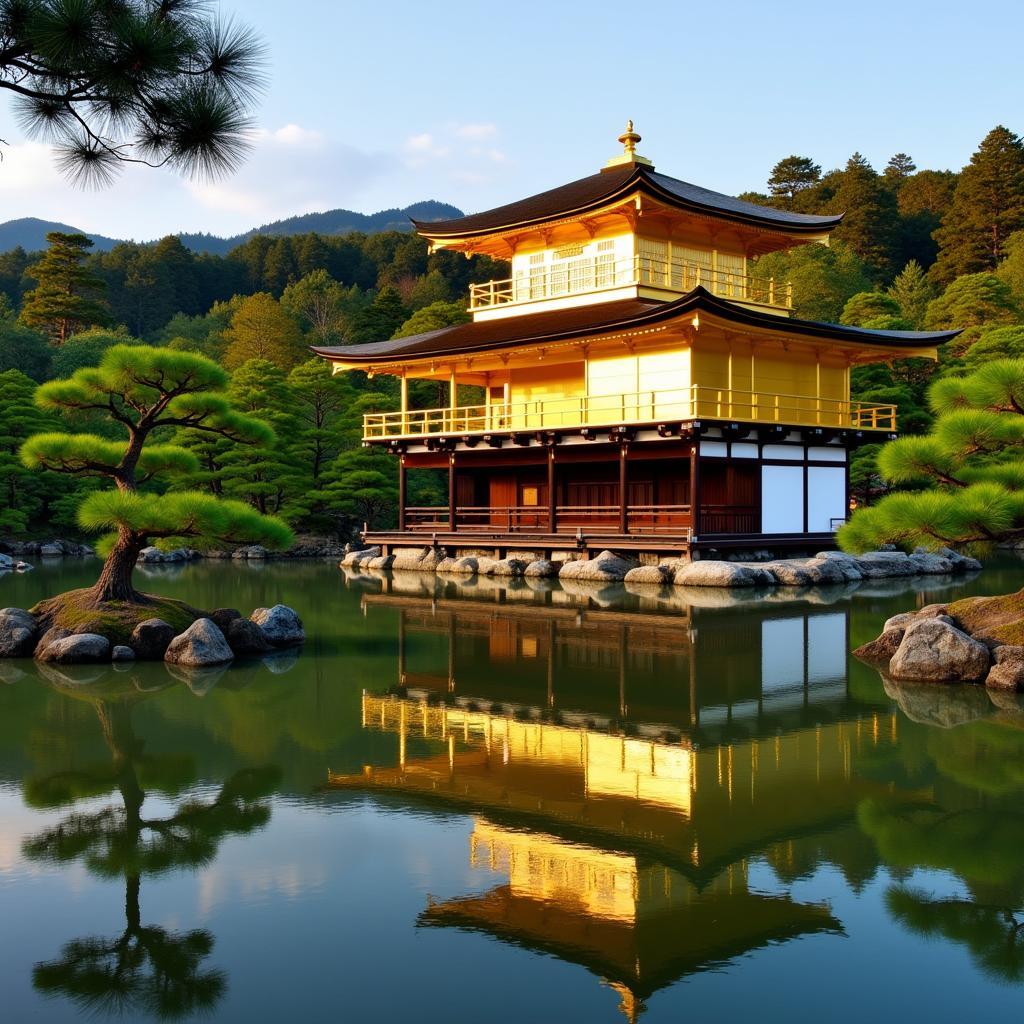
601 318
613 184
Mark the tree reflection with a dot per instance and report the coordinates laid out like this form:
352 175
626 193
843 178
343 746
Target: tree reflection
146 970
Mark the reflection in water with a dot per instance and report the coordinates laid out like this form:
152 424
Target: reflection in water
647 784
146 969
622 767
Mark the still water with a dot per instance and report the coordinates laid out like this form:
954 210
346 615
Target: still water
466 802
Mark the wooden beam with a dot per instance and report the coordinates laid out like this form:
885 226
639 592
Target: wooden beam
695 489
551 489
623 482
451 492
401 491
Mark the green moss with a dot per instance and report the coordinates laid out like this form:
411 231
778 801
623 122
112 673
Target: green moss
1000 618
78 611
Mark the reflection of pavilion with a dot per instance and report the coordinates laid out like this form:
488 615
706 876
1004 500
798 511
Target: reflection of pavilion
638 925
622 767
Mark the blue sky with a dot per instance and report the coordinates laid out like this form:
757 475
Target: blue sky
372 105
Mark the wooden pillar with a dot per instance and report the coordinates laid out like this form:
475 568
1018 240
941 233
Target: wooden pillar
453 399
623 496
451 491
552 512
695 489
401 492
404 393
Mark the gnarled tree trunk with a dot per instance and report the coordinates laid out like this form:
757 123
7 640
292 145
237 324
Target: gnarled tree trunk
115 582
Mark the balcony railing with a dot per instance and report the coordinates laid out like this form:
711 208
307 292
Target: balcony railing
680 404
591 519
599 273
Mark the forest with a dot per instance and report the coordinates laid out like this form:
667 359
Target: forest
917 249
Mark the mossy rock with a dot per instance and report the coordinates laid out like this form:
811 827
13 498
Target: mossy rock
78 612
992 618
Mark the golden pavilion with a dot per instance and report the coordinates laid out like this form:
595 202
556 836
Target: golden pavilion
634 384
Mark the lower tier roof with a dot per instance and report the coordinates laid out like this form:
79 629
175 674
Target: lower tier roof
608 318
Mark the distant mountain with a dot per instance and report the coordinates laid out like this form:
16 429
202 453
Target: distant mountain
30 232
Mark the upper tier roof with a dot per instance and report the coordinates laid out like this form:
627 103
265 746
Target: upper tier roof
625 314
612 184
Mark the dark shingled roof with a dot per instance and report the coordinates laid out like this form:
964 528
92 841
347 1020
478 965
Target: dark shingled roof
608 317
600 189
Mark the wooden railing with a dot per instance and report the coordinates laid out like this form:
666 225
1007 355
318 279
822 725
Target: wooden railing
598 273
696 402
590 519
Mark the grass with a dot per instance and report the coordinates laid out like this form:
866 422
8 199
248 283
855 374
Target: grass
78 612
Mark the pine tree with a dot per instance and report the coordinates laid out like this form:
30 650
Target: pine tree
68 296
22 491
1011 270
317 301
899 168
433 317
261 329
988 206
865 307
380 320
974 300
912 291
791 176
968 470
318 401
869 209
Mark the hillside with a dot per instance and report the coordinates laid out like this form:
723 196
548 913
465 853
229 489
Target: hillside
30 232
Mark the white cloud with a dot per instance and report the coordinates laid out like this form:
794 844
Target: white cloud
476 131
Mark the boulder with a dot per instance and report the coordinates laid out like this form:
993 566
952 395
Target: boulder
606 567
201 644
880 650
656 574
150 554
961 563
52 634
51 551
281 625
993 620
900 621
928 564
836 556
78 649
257 551
1008 671
246 637
178 555
419 560
881 564
151 638
380 562
790 573
6 562
354 559
122 653
542 569
224 617
716 574
23 567
17 633
507 567
934 651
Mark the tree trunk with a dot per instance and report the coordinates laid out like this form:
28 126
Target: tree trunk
115 582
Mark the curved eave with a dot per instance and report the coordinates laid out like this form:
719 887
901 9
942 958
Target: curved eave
702 202
542 328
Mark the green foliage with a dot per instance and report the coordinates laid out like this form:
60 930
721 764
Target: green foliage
261 329
912 291
22 348
1011 269
319 304
996 343
67 298
971 301
434 317
865 307
823 278
791 176
971 465
380 319
869 205
86 349
362 484
987 207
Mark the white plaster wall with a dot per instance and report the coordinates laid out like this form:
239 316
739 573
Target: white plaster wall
782 499
826 497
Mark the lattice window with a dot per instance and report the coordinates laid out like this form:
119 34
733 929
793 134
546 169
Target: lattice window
654 265
690 267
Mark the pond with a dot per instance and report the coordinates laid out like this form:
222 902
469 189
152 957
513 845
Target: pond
523 803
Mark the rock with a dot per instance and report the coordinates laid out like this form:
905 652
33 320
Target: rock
507 567
1008 671
607 567
656 574
933 651
900 621
246 637
716 574
281 625
23 567
151 638
419 560
50 636
78 649
122 653
837 556
51 551
356 558
6 562
201 644
928 564
930 611
468 565
880 650
257 551
178 555
944 706
380 562
881 564
790 574
150 554
992 620
542 569
224 617
961 563
17 633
